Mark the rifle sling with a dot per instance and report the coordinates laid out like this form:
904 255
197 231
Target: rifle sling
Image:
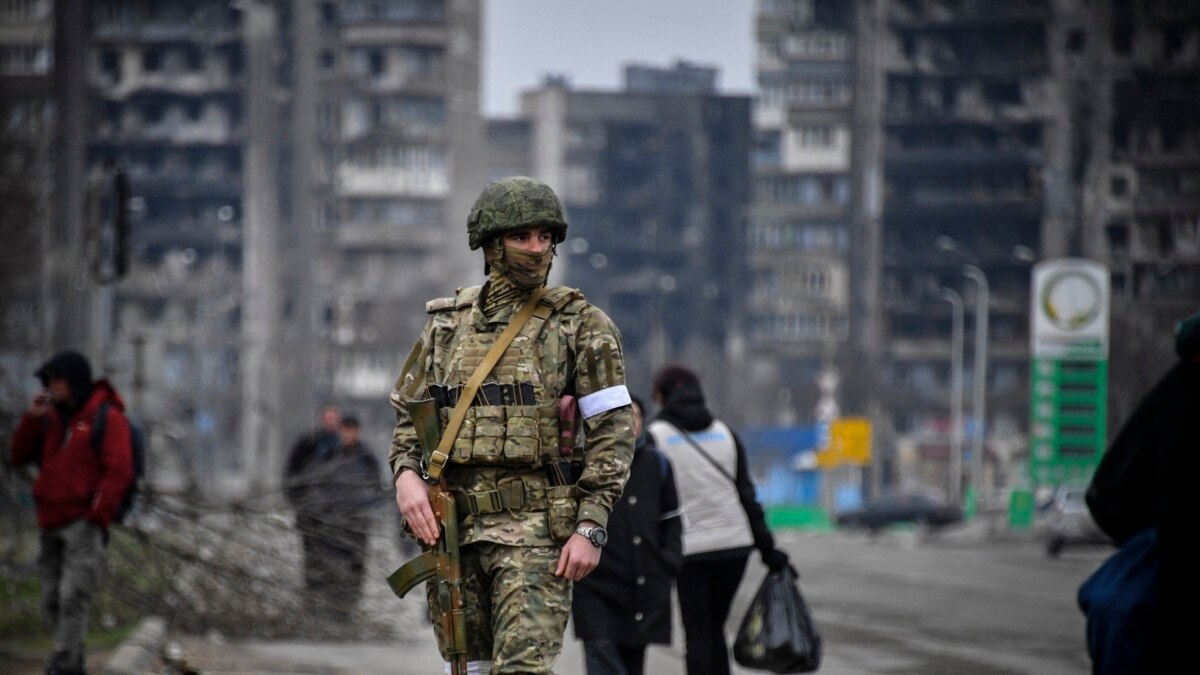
439 457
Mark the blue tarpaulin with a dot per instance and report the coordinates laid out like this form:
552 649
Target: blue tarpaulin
772 452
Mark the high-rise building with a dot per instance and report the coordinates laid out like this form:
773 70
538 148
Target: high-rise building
655 180
1143 176
994 134
386 163
165 106
26 179
298 174
797 236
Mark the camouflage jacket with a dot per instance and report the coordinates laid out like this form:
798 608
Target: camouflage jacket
577 352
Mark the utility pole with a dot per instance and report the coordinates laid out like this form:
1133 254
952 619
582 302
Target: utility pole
260 297
979 387
67 219
956 376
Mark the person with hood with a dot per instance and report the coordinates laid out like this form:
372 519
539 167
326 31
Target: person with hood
78 491
625 603
1143 496
723 520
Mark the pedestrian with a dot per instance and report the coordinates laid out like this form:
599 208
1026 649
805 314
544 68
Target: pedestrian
1143 496
352 489
625 603
80 485
309 486
723 520
532 520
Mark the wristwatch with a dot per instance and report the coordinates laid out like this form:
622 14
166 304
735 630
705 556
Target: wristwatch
595 534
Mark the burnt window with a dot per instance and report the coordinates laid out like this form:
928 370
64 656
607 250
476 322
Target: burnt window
375 62
194 58
1076 41
110 63
328 14
1118 237
1118 186
152 59
1002 92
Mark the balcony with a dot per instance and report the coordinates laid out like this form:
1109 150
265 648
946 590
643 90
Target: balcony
953 159
358 181
969 14
375 236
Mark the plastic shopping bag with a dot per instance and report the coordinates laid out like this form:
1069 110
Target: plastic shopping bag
778 633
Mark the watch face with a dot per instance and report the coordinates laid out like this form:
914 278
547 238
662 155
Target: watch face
599 536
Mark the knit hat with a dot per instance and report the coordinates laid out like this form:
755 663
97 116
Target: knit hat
1187 337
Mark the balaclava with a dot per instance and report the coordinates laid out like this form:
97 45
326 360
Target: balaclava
513 274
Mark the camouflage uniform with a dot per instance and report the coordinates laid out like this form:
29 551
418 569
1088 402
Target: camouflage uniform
516 607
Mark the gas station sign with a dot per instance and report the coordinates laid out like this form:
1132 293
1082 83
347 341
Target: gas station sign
1069 379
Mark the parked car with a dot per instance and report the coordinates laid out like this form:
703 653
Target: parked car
901 508
1065 520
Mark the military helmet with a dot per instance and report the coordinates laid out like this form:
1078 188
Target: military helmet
512 203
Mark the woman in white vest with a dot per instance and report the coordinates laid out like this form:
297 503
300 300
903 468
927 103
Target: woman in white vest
722 518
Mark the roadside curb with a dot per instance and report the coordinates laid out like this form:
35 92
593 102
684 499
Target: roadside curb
136 653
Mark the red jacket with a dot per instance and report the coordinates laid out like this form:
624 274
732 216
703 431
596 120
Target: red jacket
75 479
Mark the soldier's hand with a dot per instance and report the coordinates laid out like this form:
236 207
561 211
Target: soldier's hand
578 558
412 496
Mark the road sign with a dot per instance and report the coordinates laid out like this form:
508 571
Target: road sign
849 443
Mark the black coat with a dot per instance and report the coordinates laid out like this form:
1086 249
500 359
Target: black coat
627 598
1147 479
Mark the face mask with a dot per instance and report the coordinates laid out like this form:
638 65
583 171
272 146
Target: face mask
525 269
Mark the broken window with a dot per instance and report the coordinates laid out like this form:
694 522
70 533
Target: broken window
375 62
1076 41
1119 186
152 58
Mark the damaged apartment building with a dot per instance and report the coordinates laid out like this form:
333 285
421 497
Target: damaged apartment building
655 180
291 171
797 231
998 134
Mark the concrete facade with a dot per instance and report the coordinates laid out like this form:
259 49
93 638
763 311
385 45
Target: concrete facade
797 235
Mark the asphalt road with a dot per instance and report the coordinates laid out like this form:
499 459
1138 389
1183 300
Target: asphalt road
898 603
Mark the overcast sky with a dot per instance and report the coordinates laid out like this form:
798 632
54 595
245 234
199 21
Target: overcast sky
591 40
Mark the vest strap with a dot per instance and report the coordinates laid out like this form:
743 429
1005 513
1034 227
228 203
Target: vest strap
438 459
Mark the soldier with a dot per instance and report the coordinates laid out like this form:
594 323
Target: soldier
531 517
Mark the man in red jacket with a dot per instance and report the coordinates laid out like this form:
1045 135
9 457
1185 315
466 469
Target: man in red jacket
78 490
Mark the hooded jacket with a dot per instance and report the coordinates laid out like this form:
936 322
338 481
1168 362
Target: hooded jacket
686 410
75 479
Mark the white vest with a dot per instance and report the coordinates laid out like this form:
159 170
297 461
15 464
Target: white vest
713 517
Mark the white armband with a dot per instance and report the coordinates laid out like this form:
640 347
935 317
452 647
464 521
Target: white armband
604 400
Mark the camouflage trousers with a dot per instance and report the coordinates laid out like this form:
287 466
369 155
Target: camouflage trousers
516 609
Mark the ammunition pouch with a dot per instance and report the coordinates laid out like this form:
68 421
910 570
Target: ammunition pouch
505 435
562 511
511 494
559 502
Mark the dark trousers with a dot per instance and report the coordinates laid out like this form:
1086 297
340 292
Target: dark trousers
605 657
334 563
706 590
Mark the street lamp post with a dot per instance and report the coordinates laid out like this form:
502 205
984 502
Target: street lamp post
978 410
956 375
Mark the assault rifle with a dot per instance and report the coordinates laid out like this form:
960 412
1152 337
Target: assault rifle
442 563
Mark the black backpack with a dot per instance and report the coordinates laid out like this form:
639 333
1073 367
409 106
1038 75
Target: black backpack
137 439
